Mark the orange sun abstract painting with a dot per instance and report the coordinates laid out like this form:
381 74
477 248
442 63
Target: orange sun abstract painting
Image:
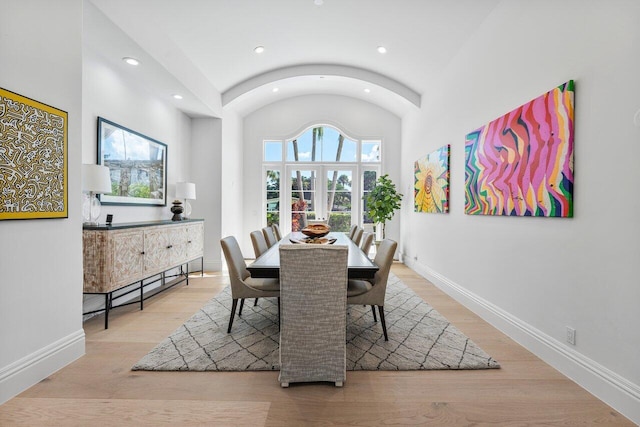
431 188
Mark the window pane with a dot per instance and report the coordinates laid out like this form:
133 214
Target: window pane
370 151
301 149
337 148
272 151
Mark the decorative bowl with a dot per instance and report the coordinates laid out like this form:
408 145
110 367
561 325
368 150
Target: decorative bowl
316 230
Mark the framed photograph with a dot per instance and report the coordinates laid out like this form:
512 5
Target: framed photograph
137 165
33 159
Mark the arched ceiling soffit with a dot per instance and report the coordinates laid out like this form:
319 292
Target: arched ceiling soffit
257 91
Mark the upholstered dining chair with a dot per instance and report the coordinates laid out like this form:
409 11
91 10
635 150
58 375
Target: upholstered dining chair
242 284
357 237
313 305
258 242
373 293
352 232
276 231
269 236
259 247
367 240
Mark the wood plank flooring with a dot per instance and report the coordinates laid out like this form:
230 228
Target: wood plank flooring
100 389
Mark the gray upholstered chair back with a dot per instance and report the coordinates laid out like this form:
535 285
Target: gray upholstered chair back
367 240
235 262
313 299
269 236
383 259
352 232
357 237
258 242
276 231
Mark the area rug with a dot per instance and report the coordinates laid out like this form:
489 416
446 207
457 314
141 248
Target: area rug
420 338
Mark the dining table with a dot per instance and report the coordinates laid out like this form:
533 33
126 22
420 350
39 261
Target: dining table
358 263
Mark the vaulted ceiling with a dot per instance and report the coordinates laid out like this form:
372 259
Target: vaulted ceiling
206 47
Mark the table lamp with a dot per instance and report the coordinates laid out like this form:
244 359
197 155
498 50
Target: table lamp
186 191
95 180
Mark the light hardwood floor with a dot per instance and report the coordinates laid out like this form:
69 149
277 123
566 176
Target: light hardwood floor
100 389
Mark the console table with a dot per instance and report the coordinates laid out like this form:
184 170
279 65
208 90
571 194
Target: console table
123 255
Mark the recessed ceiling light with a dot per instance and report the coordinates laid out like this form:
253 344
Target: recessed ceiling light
275 89
367 90
318 2
259 49
176 96
131 61
382 49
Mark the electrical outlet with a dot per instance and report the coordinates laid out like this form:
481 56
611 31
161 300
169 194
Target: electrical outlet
571 335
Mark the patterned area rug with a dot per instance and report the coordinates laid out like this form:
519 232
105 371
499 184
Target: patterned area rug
419 338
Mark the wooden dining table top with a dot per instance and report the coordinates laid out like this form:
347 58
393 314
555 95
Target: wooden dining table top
358 264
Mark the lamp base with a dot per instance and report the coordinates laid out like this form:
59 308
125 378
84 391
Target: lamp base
90 209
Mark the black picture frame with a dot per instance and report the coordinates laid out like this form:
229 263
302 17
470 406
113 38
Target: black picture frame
137 166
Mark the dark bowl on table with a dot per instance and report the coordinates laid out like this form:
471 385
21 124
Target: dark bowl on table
316 230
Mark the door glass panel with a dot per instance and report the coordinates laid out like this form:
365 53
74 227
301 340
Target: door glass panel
273 197
303 196
339 194
368 182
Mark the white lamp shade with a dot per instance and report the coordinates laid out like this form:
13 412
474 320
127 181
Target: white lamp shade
185 190
96 179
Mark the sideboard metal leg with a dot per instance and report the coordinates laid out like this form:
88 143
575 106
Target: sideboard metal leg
107 305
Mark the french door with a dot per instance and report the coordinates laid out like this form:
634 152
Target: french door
320 192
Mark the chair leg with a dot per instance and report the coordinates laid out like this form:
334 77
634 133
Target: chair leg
241 305
373 309
384 325
255 302
233 313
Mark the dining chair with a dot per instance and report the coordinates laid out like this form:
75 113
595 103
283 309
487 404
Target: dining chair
242 284
357 237
269 236
372 293
276 231
352 232
313 295
258 242
259 247
367 240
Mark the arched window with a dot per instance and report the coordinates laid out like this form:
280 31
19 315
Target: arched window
321 174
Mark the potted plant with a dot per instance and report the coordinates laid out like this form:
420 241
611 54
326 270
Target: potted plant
382 202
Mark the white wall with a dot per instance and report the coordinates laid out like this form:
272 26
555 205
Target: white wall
534 276
41 260
233 175
206 169
111 91
287 118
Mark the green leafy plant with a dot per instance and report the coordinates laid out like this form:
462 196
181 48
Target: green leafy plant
382 201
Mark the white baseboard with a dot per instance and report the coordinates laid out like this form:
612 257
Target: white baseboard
613 389
24 373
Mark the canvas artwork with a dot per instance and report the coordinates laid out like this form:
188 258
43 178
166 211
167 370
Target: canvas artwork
521 164
33 159
431 187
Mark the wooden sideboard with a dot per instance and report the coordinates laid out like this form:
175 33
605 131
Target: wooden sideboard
128 254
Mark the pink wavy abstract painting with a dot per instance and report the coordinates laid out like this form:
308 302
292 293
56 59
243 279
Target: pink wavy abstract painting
521 164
